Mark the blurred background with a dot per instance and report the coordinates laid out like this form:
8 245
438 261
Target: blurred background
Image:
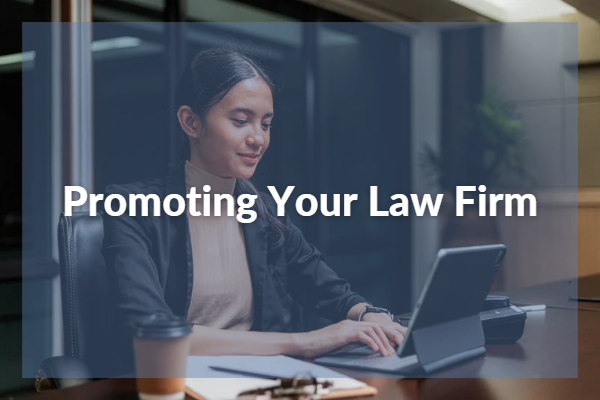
475 96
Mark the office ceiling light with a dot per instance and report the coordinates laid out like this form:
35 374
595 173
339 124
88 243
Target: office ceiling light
17 61
17 58
115 43
518 10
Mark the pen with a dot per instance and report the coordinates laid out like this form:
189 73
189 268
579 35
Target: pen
539 307
238 372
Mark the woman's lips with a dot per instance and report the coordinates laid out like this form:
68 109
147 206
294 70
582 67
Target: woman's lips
249 157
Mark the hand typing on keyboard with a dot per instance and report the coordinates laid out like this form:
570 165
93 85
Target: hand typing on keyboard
372 334
393 330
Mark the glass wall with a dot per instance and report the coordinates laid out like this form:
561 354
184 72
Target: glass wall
363 139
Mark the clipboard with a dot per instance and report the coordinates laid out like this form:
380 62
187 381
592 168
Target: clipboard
251 388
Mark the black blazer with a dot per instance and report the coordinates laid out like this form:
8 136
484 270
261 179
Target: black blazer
149 263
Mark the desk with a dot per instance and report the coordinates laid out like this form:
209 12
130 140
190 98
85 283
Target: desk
555 294
544 350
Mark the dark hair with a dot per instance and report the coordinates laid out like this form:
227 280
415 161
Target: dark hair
205 81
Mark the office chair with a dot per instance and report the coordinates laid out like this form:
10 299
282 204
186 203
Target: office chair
86 306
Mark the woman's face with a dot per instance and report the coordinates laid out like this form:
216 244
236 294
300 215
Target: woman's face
235 133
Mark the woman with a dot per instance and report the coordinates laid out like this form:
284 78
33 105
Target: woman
237 283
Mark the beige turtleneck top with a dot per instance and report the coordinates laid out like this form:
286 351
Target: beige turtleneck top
222 292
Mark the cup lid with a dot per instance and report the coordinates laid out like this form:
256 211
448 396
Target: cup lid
160 326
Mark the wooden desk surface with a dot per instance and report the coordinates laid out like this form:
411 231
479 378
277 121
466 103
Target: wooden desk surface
555 294
548 349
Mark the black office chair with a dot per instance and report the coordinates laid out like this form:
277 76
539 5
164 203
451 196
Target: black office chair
86 306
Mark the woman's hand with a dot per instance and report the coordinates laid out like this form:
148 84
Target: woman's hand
379 333
393 330
373 334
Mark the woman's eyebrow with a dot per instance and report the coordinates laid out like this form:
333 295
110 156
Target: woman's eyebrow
251 112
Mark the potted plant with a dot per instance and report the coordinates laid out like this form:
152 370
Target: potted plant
493 145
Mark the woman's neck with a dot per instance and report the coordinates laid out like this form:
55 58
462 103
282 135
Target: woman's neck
197 176
196 161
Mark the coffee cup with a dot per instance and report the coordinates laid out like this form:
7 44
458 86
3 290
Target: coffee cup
161 346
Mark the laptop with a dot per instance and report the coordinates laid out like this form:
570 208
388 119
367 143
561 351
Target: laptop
446 327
